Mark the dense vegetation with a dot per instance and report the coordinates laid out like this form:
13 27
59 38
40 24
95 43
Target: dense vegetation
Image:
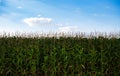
64 56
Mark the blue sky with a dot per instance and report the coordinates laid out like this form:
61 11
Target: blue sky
60 15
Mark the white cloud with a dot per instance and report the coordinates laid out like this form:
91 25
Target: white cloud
68 29
35 21
19 7
39 15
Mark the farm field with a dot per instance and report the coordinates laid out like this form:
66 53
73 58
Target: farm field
63 56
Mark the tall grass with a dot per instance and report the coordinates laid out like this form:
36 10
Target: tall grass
63 54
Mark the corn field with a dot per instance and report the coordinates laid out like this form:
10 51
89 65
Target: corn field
96 54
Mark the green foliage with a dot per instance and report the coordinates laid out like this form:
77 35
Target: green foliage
66 56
